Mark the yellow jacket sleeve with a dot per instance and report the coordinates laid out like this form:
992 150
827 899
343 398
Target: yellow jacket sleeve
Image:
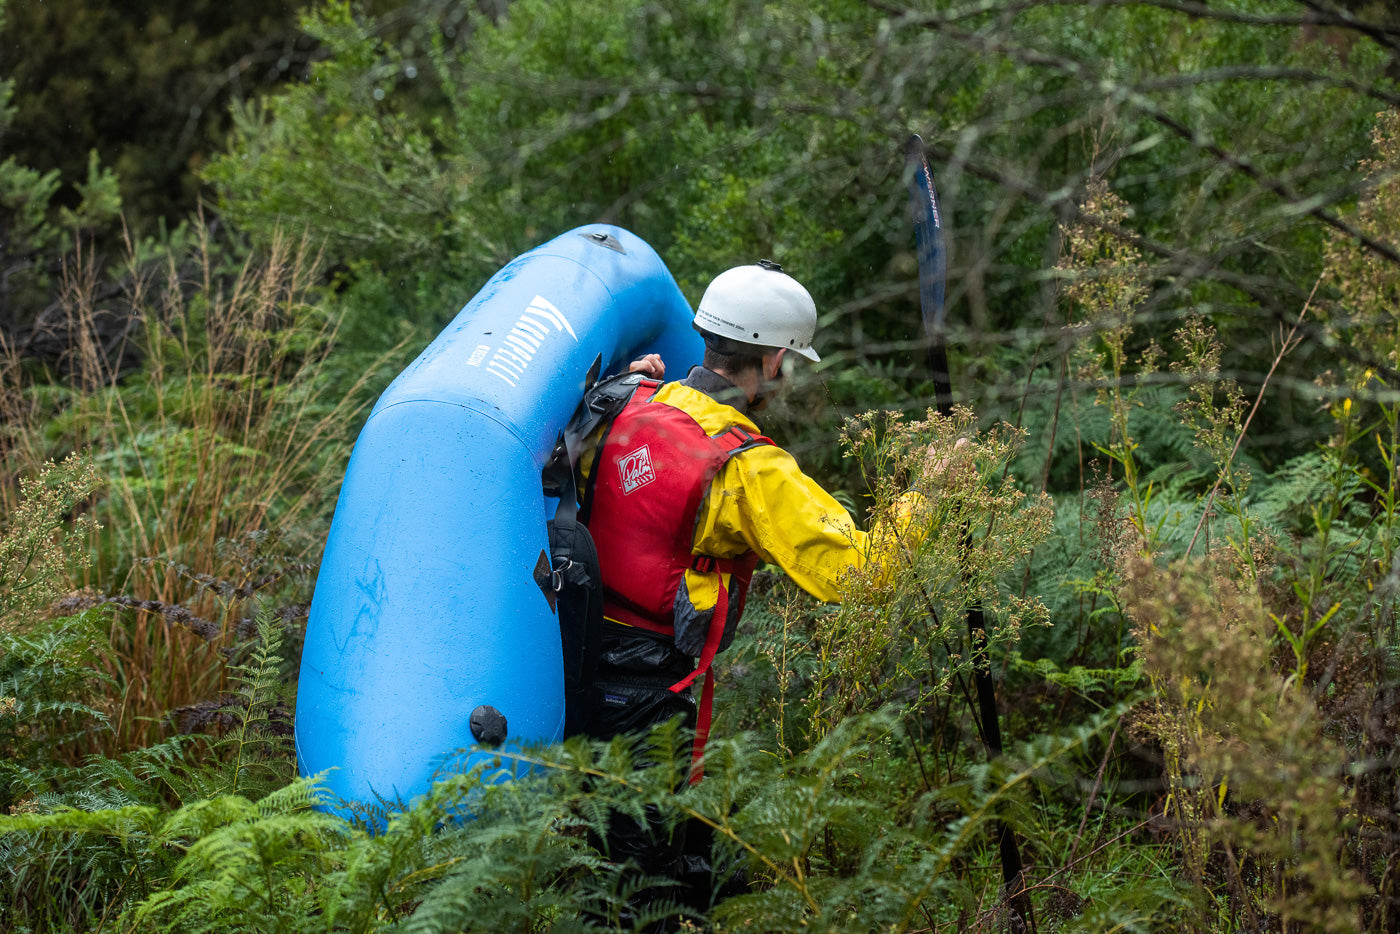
762 501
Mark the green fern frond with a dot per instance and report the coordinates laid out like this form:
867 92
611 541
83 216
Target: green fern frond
1085 681
248 865
258 755
1302 481
47 675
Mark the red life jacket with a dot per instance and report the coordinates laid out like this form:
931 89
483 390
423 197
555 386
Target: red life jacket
649 481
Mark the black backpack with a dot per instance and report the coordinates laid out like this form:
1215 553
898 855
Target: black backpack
570 575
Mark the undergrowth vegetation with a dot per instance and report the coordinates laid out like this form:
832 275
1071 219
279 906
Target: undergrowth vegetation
1178 503
227 420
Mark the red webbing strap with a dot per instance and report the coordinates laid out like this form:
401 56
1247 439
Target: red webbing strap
707 695
733 440
715 633
702 728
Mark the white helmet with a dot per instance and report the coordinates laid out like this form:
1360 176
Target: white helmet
759 305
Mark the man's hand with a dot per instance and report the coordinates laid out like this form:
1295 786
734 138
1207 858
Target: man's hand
650 366
948 466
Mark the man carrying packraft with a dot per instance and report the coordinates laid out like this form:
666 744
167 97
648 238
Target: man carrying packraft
684 496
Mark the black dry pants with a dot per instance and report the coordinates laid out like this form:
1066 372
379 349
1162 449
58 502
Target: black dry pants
630 695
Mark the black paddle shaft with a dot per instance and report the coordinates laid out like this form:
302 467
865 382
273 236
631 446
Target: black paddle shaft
933 277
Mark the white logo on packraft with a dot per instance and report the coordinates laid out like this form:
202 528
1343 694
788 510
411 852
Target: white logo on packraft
636 469
530 331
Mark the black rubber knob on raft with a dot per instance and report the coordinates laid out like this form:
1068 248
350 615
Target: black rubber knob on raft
488 725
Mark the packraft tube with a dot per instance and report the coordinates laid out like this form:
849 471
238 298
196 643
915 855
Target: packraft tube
426 607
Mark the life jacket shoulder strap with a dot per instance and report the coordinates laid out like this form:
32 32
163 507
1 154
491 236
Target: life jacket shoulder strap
735 439
603 402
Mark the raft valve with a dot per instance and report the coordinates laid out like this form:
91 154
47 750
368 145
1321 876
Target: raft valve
488 725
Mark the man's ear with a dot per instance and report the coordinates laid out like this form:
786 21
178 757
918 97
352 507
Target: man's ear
773 363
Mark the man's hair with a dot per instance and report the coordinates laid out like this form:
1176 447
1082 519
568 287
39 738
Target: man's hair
731 359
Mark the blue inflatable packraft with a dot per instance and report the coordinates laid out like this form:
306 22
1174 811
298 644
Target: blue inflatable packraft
426 606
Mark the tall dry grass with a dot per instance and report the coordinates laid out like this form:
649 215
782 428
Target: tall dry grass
205 398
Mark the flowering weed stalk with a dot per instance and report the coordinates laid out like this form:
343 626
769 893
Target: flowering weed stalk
949 526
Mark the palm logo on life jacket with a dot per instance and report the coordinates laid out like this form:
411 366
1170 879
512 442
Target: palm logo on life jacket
636 469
